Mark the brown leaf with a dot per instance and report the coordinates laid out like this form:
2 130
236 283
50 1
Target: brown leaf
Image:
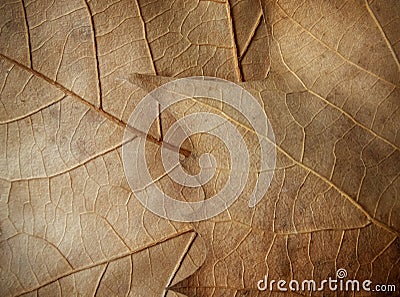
327 74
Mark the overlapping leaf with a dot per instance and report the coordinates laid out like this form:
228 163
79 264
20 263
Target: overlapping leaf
327 75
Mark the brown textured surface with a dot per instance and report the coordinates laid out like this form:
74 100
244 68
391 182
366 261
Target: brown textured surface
327 74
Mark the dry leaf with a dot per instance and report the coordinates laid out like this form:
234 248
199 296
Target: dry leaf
71 72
